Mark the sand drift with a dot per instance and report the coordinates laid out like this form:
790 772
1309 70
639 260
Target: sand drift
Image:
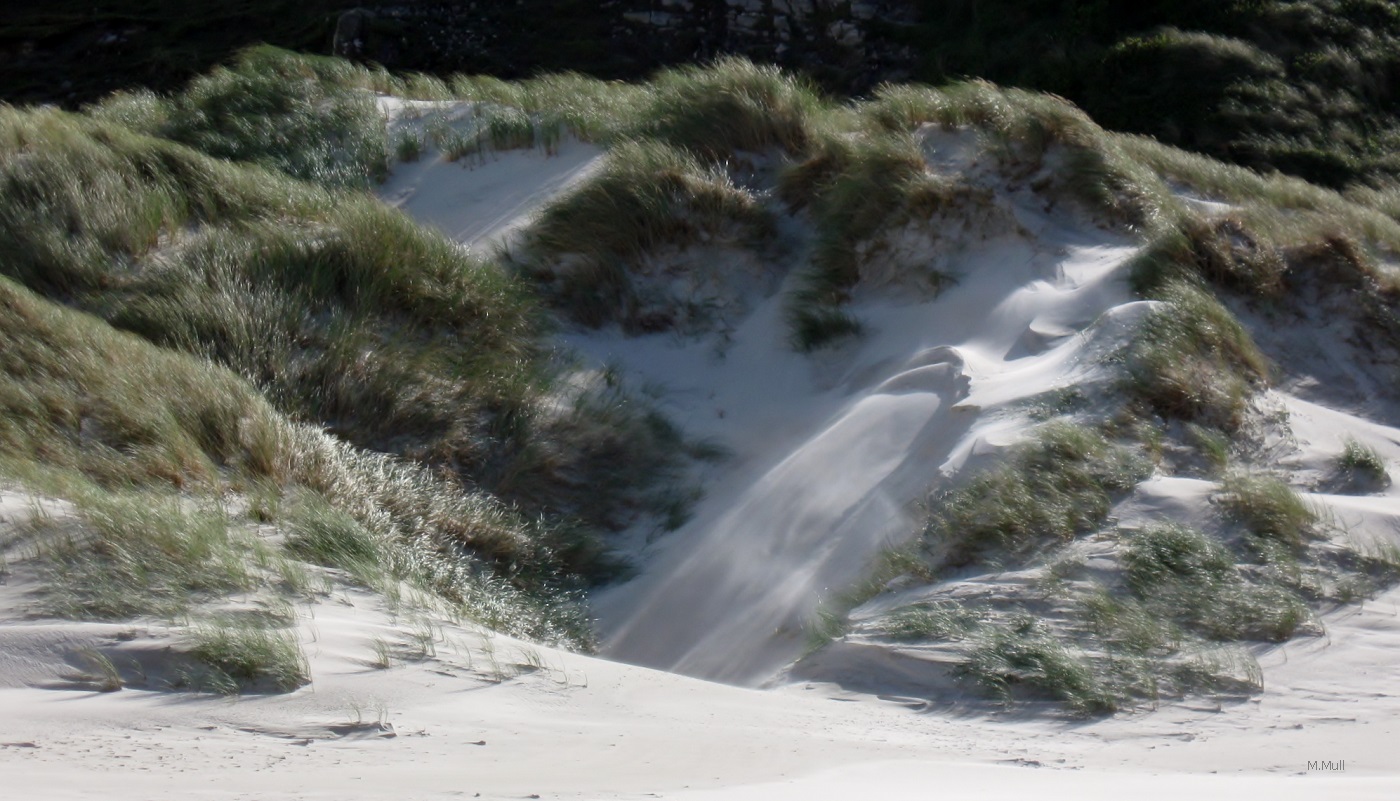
829 453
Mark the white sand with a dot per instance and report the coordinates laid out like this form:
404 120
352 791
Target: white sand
828 456
585 728
829 451
478 202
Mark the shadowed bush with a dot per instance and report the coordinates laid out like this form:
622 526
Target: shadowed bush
587 246
729 106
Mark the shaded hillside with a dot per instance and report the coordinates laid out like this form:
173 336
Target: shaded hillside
68 51
1308 87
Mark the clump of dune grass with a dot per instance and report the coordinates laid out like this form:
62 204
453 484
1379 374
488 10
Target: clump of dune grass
1212 444
855 188
932 621
133 555
862 173
1363 464
1269 509
1058 485
587 248
591 109
162 418
1028 131
292 114
234 657
506 128
408 146
1192 360
731 105
1182 575
1224 252
1022 655
321 534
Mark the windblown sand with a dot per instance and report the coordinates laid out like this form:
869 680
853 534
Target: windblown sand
691 698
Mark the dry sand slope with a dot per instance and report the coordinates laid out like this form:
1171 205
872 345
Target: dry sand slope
828 452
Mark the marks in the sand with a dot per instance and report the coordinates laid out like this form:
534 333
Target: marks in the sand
380 730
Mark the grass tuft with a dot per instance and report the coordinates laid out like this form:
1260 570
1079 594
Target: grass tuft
1192 360
233 658
588 249
1190 578
1023 654
1362 463
135 555
1049 490
285 112
939 620
731 105
1268 508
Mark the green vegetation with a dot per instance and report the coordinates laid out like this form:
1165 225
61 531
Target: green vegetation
855 188
1192 360
731 106
1165 621
1212 443
293 115
408 146
586 250
323 535
1268 508
1024 653
198 302
940 620
1224 253
1293 85
1299 86
1362 464
136 555
415 347
233 657
1027 131
1048 490
1187 577
169 420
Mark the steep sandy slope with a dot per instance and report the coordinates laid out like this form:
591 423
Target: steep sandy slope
830 452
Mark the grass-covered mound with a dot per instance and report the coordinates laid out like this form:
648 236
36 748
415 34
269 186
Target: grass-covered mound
227 303
341 311
392 403
119 426
1303 86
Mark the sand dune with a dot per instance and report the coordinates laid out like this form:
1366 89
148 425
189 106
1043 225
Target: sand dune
829 454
